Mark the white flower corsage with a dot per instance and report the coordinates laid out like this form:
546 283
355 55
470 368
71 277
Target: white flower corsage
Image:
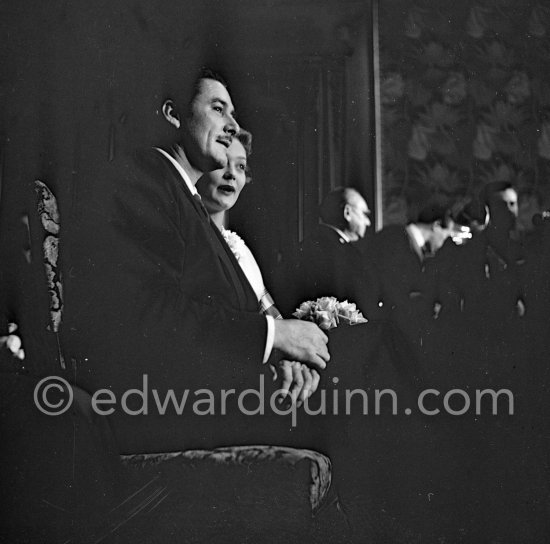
328 313
234 241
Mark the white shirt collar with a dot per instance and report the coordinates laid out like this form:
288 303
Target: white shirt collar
417 237
416 234
341 233
182 172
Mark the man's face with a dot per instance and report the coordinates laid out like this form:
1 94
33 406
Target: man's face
440 233
209 126
357 213
510 198
504 210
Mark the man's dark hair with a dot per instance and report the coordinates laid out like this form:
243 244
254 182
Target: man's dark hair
207 73
432 212
332 207
472 211
184 92
491 189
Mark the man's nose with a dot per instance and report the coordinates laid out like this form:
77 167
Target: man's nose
232 127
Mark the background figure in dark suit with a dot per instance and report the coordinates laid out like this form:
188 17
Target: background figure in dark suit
488 275
535 282
330 262
408 267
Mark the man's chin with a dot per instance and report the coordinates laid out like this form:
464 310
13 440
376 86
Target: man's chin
215 163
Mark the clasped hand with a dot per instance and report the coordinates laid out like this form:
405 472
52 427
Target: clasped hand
302 341
298 381
304 346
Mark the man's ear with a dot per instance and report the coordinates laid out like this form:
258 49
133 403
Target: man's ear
170 113
347 212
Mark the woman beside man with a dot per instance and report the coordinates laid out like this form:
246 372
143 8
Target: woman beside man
220 190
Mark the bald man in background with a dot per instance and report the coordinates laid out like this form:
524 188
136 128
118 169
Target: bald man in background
330 262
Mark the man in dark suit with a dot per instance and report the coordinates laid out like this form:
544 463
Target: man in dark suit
489 275
408 263
154 291
330 261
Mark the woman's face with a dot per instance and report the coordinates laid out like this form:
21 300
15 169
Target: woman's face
220 189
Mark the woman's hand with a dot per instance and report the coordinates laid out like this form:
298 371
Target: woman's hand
299 381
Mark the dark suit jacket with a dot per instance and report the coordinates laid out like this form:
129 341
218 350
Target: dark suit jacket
330 266
403 276
488 278
152 289
408 286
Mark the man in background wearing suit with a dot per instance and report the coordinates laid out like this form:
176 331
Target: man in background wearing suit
407 266
330 259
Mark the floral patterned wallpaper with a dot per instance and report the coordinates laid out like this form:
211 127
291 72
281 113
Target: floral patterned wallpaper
465 100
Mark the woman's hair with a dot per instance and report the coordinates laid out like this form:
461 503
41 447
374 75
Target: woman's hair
245 138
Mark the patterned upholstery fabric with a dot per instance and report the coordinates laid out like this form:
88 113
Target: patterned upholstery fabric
49 217
48 213
320 467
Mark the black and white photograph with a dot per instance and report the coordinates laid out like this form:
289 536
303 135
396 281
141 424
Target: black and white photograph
275 271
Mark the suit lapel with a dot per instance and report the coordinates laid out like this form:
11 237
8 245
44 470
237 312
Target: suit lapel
234 274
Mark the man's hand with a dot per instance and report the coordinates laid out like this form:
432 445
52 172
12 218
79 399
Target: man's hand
298 380
302 341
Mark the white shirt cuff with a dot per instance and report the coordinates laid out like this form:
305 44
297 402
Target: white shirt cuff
270 338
